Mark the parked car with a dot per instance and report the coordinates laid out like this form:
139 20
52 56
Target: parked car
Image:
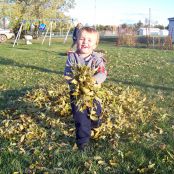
6 34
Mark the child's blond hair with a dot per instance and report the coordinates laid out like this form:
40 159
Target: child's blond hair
89 30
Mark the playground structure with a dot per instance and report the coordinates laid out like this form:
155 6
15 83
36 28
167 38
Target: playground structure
42 27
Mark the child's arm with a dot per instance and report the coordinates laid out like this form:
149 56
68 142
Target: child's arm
101 73
68 69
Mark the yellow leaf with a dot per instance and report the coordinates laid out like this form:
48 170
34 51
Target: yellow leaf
101 162
74 81
6 123
94 117
22 150
21 127
30 135
22 138
75 147
87 98
89 104
97 85
90 93
97 157
85 90
112 162
150 166
92 133
68 78
75 93
96 133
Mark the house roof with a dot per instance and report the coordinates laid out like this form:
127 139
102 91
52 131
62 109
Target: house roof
171 19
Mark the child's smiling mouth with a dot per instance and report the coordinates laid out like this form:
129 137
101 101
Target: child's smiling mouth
84 46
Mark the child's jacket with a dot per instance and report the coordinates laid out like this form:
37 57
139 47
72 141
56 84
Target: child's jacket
94 61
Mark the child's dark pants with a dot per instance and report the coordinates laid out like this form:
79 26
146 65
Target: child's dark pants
83 123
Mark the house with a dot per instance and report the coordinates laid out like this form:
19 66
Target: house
152 32
148 31
171 28
164 32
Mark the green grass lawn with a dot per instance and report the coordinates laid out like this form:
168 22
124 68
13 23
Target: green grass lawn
36 67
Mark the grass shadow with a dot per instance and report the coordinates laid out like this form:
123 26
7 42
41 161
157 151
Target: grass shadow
6 61
37 49
143 85
9 97
63 54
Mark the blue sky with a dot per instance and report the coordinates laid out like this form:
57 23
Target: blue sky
114 12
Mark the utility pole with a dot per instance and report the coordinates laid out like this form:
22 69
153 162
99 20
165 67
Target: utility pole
148 28
149 17
95 14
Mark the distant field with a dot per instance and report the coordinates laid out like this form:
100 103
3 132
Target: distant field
38 70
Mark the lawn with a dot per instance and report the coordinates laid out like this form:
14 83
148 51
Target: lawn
36 128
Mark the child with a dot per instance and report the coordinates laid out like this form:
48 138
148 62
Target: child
87 41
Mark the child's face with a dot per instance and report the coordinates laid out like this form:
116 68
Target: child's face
87 42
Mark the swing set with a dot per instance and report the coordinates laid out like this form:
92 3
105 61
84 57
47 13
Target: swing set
43 27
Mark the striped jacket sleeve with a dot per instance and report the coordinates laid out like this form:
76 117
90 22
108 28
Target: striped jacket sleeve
101 72
68 67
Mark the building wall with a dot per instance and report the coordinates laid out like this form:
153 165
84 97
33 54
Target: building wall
171 28
152 32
